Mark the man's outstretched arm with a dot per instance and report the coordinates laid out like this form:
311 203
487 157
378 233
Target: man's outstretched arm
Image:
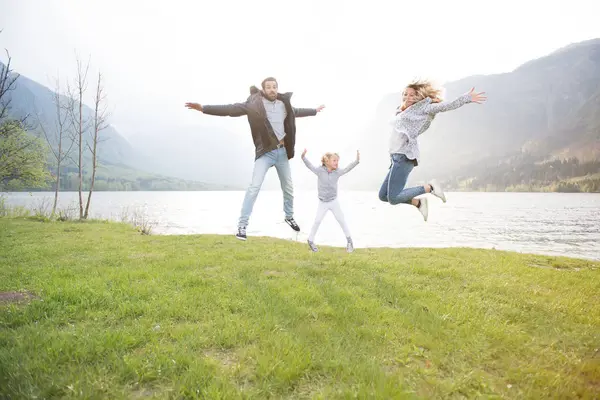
226 110
307 112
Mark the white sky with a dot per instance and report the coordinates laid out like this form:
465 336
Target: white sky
156 55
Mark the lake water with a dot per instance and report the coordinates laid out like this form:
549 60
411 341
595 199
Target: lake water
543 223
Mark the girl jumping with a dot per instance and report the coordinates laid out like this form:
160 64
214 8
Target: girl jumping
328 175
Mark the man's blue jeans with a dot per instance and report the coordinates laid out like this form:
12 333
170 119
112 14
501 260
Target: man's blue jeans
278 159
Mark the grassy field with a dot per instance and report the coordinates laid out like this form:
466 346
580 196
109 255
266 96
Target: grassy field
108 313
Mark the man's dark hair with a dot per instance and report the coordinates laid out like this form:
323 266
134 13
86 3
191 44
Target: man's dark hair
269 79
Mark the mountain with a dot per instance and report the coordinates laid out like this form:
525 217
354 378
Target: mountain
122 166
543 110
31 98
206 153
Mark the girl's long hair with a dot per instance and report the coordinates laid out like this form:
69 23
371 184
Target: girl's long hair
327 156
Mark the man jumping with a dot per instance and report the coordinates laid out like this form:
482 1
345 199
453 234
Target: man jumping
272 122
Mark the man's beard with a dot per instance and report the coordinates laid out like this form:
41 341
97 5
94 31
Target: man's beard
271 97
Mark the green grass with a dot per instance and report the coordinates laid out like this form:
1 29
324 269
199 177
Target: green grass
122 315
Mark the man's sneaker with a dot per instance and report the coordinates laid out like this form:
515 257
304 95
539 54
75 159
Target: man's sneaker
241 233
424 208
293 224
312 246
436 190
349 246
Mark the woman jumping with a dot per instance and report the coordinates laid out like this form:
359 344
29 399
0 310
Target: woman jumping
420 103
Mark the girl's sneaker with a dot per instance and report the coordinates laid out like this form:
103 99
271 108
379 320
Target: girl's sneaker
349 246
312 246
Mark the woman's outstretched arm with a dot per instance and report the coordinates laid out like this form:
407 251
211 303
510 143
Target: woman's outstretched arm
471 97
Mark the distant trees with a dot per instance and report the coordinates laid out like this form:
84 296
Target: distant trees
22 157
528 174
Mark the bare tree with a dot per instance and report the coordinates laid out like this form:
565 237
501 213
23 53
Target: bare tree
8 81
100 117
78 121
63 108
22 158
